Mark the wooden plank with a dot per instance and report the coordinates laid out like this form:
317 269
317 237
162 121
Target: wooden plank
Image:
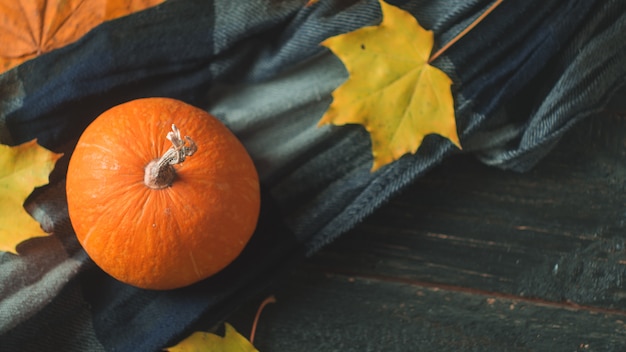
474 258
317 312
556 232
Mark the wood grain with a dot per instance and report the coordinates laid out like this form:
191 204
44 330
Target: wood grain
555 233
474 258
346 314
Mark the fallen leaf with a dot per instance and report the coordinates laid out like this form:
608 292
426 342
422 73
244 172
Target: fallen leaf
232 341
22 168
392 90
29 28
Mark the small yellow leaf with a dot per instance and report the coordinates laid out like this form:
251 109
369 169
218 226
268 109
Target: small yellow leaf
22 168
392 90
205 341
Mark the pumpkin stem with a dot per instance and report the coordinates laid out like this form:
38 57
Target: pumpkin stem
160 173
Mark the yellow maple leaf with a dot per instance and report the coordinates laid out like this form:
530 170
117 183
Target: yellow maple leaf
22 168
392 90
232 341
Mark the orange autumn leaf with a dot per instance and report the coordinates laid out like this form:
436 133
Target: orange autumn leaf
29 28
392 90
22 168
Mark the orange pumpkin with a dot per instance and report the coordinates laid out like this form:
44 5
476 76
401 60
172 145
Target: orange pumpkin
157 212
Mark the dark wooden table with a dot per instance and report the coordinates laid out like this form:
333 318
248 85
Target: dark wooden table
472 258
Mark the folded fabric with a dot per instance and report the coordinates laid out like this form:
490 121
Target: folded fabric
522 77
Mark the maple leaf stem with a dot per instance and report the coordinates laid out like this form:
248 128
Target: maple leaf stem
465 31
268 300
